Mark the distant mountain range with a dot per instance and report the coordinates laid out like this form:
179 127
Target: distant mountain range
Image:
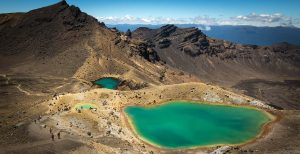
239 34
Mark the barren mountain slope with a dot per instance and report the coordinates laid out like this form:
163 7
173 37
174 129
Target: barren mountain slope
227 64
60 40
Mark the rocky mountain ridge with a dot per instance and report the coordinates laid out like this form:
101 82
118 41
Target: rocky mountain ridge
173 43
228 64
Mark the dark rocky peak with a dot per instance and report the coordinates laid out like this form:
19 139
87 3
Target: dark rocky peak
166 31
74 11
43 15
74 18
143 33
60 13
45 26
62 2
193 42
52 9
168 26
193 35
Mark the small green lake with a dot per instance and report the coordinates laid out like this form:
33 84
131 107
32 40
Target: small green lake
108 82
85 106
183 124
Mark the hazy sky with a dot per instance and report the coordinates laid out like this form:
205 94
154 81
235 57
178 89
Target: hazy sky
207 12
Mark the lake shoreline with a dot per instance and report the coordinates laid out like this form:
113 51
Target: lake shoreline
265 129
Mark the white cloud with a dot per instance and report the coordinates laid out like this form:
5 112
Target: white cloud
253 19
275 19
204 28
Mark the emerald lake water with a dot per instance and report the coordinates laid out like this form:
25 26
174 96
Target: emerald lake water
109 83
183 124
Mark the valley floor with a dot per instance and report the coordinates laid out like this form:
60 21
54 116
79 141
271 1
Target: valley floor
26 125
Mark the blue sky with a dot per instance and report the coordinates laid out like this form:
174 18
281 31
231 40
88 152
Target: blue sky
207 12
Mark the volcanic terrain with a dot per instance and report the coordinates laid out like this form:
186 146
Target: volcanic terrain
49 58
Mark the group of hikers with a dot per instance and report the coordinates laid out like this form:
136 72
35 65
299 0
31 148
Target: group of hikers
50 129
52 134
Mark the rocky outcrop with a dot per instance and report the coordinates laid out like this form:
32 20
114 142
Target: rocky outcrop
128 33
131 85
193 35
190 41
74 19
166 31
164 43
144 49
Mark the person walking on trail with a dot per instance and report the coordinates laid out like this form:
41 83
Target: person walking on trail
50 130
58 135
52 136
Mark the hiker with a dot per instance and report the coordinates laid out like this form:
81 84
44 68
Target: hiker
50 130
58 135
52 136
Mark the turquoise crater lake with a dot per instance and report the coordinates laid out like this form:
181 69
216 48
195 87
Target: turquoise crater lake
184 124
108 82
